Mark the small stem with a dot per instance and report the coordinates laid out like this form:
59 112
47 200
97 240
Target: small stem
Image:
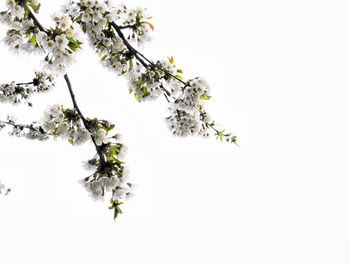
6 123
27 83
16 125
127 27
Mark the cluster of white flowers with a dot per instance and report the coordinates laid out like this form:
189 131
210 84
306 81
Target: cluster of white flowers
134 19
31 131
117 185
194 94
98 19
109 173
183 123
43 81
13 93
60 44
20 92
101 137
187 114
21 35
149 83
144 84
94 17
64 123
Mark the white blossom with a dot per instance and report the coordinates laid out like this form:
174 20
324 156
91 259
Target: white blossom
81 136
183 123
96 190
100 137
62 129
90 165
61 42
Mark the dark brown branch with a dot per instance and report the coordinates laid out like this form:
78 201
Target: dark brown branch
37 23
139 56
26 83
127 27
84 120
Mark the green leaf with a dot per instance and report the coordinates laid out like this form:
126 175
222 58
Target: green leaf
204 97
84 28
131 64
138 97
35 7
78 18
72 40
103 58
26 11
234 139
72 46
221 135
33 40
138 84
179 76
145 91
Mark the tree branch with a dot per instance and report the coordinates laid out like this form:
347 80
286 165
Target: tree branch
139 56
84 120
26 83
37 23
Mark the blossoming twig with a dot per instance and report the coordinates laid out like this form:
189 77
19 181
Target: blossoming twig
85 122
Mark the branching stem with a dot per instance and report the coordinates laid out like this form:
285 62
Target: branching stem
139 56
82 117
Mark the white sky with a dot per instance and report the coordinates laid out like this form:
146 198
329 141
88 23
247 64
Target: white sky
279 72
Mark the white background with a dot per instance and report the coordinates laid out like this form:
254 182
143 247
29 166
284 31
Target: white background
279 72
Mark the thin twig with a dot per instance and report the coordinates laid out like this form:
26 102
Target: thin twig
37 23
27 83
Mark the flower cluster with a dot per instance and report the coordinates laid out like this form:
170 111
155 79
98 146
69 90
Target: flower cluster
94 18
21 35
101 22
136 20
183 123
21 92
43 81
32 131
188 116
65 123
109 173
150 82
61 43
